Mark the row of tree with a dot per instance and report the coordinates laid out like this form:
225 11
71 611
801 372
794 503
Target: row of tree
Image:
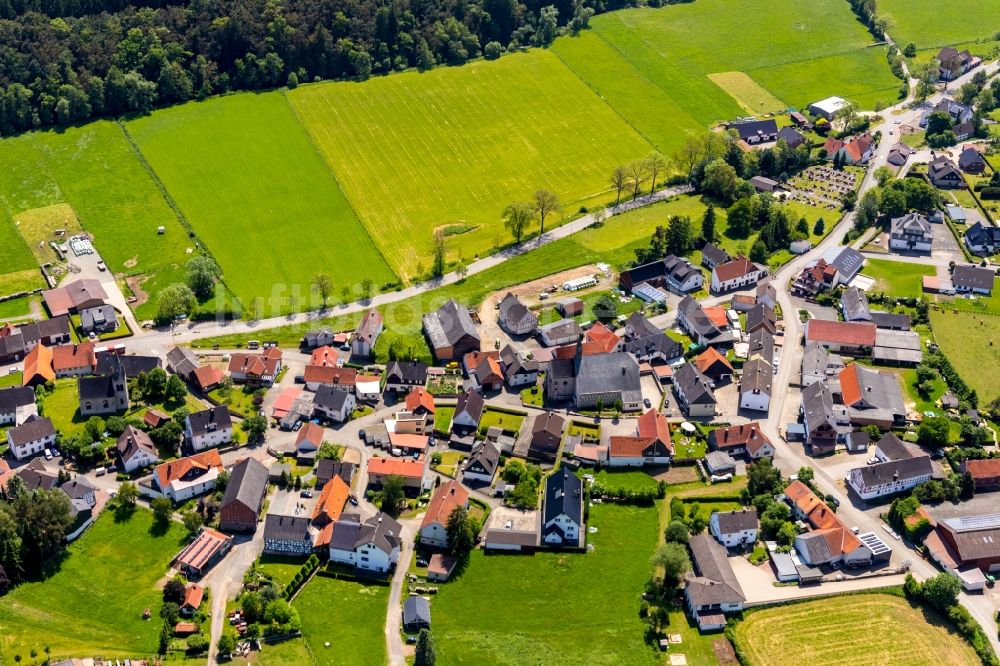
64 61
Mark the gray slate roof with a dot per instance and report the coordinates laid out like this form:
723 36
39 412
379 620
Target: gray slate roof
903 469
247 484
201 421
34 428
693 385
330 398
132 441
380 530
563 495
736 521
416 611
616 371
287 528
12 398
472 402
972 277
715 583
449 324
854 304
757 375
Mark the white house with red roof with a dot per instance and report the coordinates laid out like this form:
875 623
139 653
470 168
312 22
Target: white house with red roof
448 497
651 444
739 273
256 369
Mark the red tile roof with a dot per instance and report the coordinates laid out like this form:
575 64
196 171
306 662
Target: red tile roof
325 355
193 594
853 333
748 435
710 357
602 338
850 385
68 357
325 374
38 363
207 376
983 469
175 469
332 501
654 424
717 315
419 397
310 432
408 469
734 269
446 499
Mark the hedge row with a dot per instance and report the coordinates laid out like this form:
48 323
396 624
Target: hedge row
301 576
627 495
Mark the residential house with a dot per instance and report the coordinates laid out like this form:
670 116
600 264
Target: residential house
208 428
944 174
701 324
369 546
420 403
134 364
546 436
193 596
734 529
37 368
416 614
756 131
983 240
898 155
673 273
337 377
135 450
972 280
331 504
842 337
35 477
288 536
489 374
451 331
599 339
655 347
16 405
911 233
954 63
318 338
744 439
713 590
255 369
184 478
468 411
858 150
309 439
482 464
650 445
846 261
16 342
448 497
105 394
871 482
694 392
333 404
818 364
985 473
608 379
562 332
971 160
99 319
74 296
74 360
829 541
824 426
762 316
244 497
791 137
827 108
32 437
871 397
367 333
813 279
413 472
512 530
755 385
713 365
713 255
326 469
515 317
184 362
562 521
368 388
854 305
517 369
739 273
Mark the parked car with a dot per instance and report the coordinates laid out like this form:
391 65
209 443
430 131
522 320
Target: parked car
101 266
48 454
306 493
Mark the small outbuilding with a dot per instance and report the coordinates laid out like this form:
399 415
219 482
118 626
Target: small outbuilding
416 614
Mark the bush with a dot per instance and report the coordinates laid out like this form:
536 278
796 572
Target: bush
197 644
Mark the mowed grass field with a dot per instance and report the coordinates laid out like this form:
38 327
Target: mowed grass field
809 51
929 24
415 152
971 342
897 278
348 615
91 606
247 178
752 96
850 630
553 608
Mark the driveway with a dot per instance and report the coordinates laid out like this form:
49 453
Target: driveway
394 611
86 267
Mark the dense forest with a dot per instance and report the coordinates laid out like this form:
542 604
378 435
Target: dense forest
63 61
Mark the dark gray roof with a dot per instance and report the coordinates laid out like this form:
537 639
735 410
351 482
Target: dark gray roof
407 371
942 167
891 320
678 269
980 234
737 521
47 328
714 254
34 476
696 318
972 277
514 364
330 398
791 135
326 469
96 388
564 328
561 368
761 343
313 337
247 484
911 226
656 343
485 456
78 488
563 495
892 448
472 402
848 261
639 326
12 398
817 405
449 324
970 156
380 530
617 371
761 315
817 547
99 315
207 420
887 472
182 360
133 440
416 611
693 385
753 128
33 428
512 310
287 528
715 583
133 364
854 304
757 376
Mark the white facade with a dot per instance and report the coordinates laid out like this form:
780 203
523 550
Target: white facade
142 458
570 528
731 539
434 534
865 492
755 399
366 556
747 280
368 391
522 379
32 448
19 415
340 415
208 439
180 491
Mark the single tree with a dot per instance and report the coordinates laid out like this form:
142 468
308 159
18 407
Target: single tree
174 390
437 268
942 590
392 494
255 426
676 532
758 252
424 654
174 301
192 521
226 644
637 176
708 224
545 203
202 273
461 532
656 163
345 295
619 178
162 509
820 227
516 218
366 288
324 285
173 590
672 559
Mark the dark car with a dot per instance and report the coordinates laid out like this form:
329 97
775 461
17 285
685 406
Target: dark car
300 379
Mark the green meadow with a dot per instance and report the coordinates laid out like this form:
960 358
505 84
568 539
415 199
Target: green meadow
929 24
247 178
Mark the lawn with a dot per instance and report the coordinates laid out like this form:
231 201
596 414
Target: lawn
507 420
589 432
286 653
239 399
346 615
897 278
250 182
595 596
825 631
968 339
627 479
38 226
753 97
449 463
281 569
930 25
15 308
442 418
908 380
88 607
62 406
95 170
453 146
11 379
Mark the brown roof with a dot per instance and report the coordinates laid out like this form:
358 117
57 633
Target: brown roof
853 333
206 376
736 268
175 469
325 374
324 356
748 435
154 417
254 364
67 357
441 565
310 432
193 594
983 469
446 499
